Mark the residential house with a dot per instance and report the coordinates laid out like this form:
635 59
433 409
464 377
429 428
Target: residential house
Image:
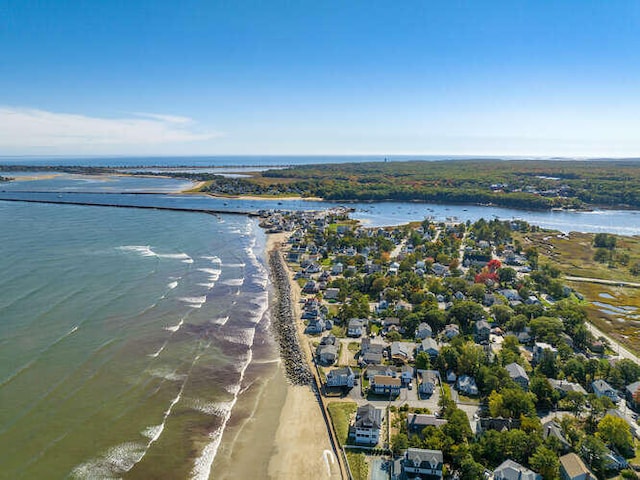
632 392
573 468
440 270
390 323
539 348
316 326
452 330
603 389
337 269
552 429
373 355
481 331
510 470
428 381
563 387
384 370
331 294
498 424
424 331
429 346
386 385
518 375
327 354
416 422
341 377
366 427
406 374
401 352
355 327
421 463
311 287
467 385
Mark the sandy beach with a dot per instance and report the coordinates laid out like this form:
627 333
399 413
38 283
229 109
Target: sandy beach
284 435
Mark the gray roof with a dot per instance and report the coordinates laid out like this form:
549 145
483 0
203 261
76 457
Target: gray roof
429 344
515 370
421 420
420 456
510 470
368 416
633 388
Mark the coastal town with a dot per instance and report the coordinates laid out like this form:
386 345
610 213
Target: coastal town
449 350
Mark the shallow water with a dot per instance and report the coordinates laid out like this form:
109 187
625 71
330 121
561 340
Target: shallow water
125 338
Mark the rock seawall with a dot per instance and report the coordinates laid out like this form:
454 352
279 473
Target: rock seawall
284 324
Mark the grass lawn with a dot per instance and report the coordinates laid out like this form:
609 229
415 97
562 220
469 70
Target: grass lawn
358 465
353 347
341 413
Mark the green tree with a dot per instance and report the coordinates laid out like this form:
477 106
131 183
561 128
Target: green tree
470 469
545 462
457 426
593 451
423 361
615 432
399 443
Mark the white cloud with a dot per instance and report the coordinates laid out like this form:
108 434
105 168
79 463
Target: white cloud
26 128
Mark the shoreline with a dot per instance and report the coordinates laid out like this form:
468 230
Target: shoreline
282 431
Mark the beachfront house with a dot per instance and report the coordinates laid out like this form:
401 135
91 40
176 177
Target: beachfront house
341 377
315 327
384 370
422 463
510 470
366 427
384 385
518 375
603 389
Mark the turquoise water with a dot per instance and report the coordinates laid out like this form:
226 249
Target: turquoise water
125 337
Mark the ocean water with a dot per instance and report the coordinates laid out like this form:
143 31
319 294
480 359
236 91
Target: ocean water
125 338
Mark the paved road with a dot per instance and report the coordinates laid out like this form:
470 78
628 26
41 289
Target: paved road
602 281
616 346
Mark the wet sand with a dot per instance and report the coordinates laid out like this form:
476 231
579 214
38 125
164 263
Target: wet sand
283 434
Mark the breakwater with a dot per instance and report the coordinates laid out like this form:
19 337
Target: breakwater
284 323
144 207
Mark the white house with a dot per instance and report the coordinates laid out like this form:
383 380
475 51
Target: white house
366 427
424 463
341 377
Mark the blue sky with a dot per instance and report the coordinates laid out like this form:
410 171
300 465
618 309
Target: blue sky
540 78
